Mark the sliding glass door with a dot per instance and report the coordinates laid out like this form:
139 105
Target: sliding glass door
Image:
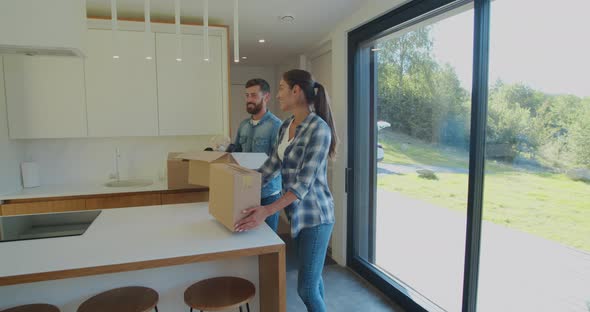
535 243
447 171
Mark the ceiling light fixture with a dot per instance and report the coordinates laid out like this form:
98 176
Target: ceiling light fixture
244 58
206 30
236 34
287 19
261 40
178 36
148 30
114 27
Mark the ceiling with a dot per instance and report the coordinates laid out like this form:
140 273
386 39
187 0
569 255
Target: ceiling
258 19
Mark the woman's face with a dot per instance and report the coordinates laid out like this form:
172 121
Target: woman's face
286 96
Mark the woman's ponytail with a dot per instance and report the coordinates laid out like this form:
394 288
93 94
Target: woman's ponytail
319 99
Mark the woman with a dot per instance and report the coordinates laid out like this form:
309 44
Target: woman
301 156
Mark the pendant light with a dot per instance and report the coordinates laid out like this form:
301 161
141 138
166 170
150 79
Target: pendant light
178 36
236 34
114 28
206 30
148 30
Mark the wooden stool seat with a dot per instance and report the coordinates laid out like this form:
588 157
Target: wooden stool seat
125 299
219 293
33 308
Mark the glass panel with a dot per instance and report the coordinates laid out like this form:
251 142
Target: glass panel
535 253
422 90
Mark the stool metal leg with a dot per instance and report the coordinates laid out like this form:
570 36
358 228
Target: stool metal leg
248 306
156 308
241 309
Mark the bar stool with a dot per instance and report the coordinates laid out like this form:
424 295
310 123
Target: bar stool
38 307
124 299
220 293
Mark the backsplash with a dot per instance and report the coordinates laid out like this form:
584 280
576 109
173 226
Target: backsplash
11 152
65 161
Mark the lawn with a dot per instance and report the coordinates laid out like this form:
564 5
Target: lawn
543 204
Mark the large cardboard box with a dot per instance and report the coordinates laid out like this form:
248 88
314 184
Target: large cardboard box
177 171
199 162
232 189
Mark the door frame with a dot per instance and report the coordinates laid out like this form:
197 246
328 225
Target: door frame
356 171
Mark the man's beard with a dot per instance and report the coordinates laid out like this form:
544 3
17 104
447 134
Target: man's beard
253 108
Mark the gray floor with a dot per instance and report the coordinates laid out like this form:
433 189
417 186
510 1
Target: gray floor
345 291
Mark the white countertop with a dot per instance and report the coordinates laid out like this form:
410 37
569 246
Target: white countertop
130 235
80 189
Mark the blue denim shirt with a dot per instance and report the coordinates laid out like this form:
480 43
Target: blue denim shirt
260 138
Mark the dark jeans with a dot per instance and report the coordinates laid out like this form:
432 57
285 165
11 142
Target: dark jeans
272 220
312 245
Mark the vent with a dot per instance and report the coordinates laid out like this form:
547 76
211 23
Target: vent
32 51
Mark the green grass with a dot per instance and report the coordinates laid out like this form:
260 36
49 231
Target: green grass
543 204
403 149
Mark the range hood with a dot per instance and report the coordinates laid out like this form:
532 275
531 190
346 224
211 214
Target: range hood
43 27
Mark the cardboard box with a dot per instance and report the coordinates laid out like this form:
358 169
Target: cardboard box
198 165
232 189
177 173
199 162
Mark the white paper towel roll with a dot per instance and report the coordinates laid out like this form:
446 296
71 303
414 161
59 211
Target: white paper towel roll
30 174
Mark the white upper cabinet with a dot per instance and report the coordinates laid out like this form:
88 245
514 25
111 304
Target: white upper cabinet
121 93
45 96
116 91
192 93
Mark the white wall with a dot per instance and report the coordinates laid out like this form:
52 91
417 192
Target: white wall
320 65
11 152
65 161
338 38
287 64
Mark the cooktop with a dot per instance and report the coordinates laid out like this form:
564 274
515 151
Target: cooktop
47 225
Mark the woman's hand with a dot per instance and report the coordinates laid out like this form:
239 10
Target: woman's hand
253 218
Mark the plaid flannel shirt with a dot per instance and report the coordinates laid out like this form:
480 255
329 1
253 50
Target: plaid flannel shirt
304 173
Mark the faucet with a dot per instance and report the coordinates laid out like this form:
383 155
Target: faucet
117 176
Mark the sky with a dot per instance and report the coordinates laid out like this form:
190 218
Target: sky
543 44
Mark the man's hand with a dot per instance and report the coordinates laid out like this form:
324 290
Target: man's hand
253 218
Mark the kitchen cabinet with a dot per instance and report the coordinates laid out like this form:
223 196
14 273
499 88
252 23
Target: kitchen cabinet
43 207
184 197
192 93
102 201
121 201
126 96
121 93
45 96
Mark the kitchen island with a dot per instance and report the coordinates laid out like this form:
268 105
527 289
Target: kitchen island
166 247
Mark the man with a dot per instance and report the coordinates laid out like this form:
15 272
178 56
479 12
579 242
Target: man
258 134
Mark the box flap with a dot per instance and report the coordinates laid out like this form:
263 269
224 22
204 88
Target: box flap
250 160
202 156
238 169
174 155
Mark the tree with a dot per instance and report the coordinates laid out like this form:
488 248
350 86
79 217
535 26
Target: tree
415 94
580 138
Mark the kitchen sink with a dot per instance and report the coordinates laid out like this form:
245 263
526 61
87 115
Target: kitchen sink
129 183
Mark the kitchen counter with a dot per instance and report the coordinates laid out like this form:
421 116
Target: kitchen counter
141 238
82 189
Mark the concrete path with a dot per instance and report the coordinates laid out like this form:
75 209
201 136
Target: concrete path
423 245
